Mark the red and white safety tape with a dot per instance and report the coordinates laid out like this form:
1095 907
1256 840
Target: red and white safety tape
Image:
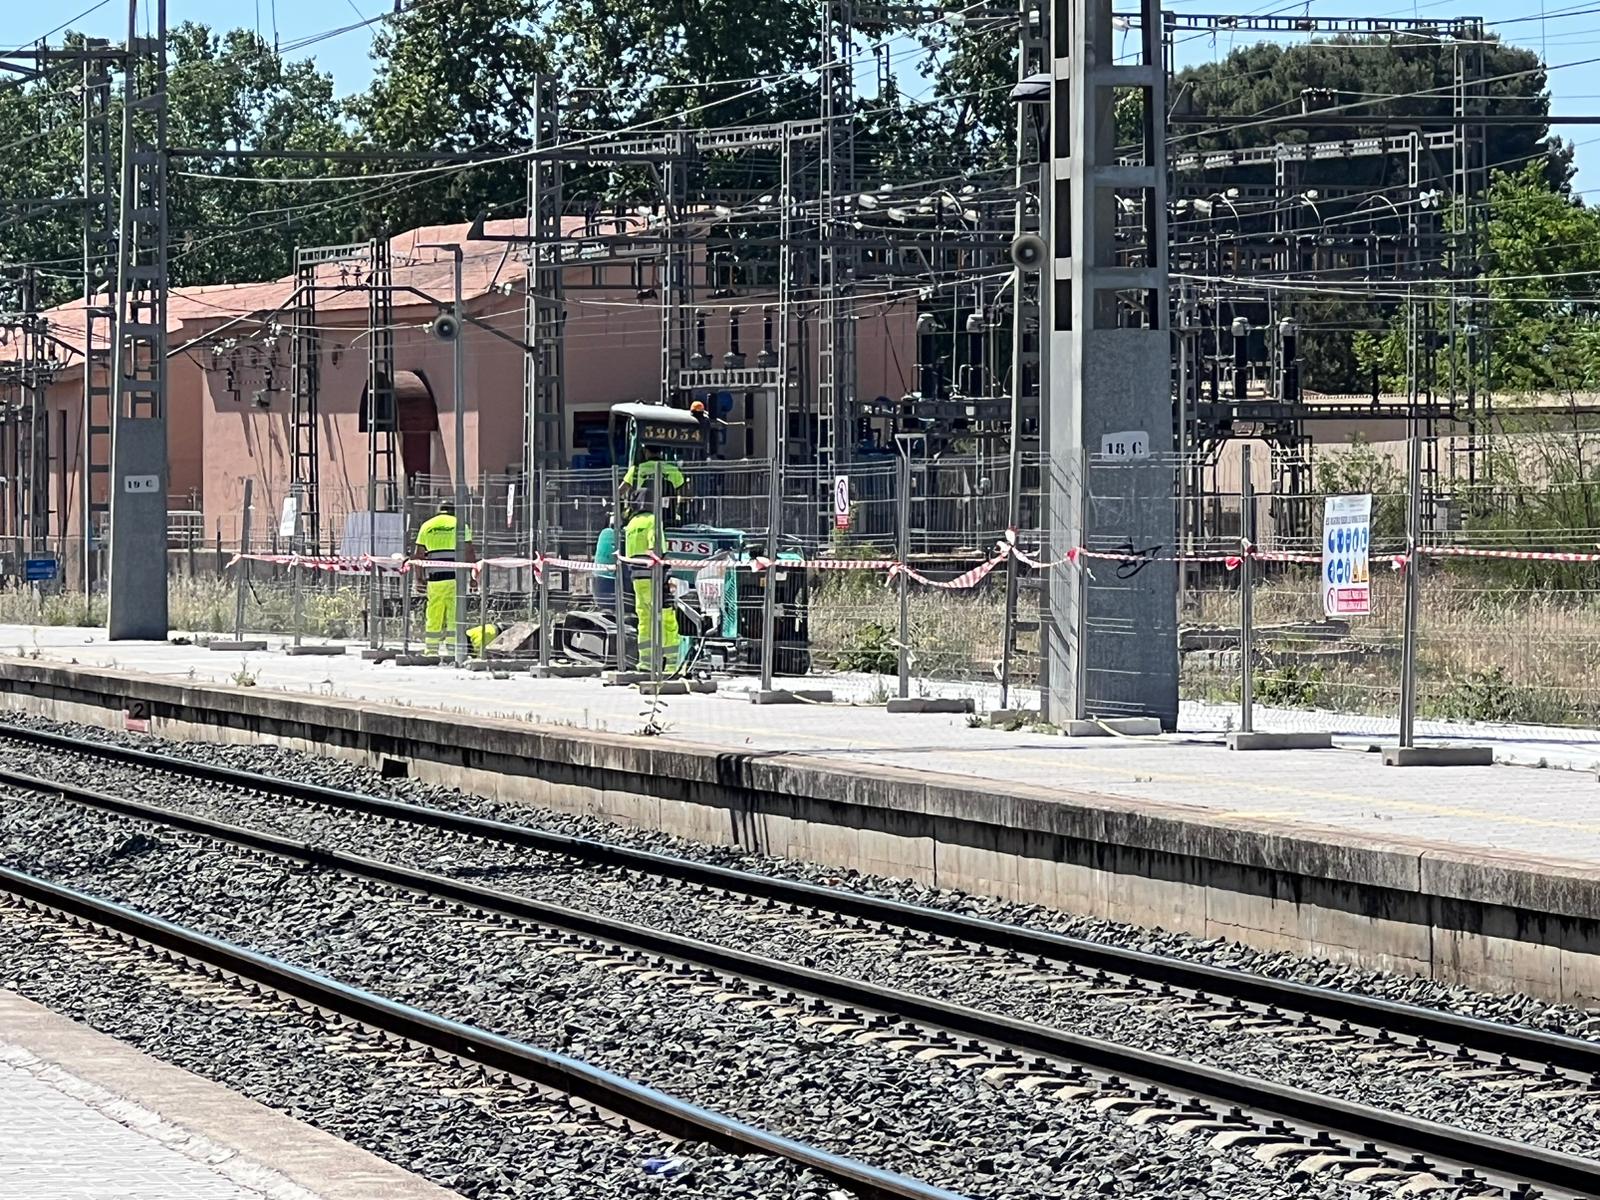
1005 549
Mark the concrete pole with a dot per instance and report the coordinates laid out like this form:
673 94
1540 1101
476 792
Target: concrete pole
1110 361
459 365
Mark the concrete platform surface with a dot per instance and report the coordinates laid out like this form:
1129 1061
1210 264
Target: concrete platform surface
85 1117
1500 808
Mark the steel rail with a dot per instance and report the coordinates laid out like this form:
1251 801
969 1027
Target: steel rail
1402 1134
1438 1027
656 1109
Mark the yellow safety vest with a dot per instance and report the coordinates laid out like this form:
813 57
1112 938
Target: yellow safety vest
659 468
437 537
639 536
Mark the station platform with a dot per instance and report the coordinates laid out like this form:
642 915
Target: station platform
1487 876
85 1117
1530 811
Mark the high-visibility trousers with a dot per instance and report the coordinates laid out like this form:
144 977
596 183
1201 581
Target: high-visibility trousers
644 607
441 614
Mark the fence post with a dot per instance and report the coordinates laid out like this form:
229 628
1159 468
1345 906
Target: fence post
1080 665
1013 519
1247 533
542 575
297 543
299 600
769 590
1408 645
658 584
407 592
623 570
244 563
905 579
481 575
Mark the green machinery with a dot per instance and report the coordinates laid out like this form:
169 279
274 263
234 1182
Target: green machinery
720 604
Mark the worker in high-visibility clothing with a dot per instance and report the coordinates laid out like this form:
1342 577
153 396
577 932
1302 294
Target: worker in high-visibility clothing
436 540
651 471
638 541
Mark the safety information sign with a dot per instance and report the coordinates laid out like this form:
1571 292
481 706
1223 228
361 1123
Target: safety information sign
1346 538
289 522
841 501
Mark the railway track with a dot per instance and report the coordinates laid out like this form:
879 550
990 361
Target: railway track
1317 1133
237 974
1395 1025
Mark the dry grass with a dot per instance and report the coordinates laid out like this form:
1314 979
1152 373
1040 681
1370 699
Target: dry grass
206 605
855 625
1485 652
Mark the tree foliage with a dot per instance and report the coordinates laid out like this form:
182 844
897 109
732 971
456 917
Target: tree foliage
1352 76
229 91
1539 328
463 76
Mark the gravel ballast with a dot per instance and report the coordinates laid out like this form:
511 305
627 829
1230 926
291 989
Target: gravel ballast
1513 1008
1564 1124
441 1120
928 1119
898 962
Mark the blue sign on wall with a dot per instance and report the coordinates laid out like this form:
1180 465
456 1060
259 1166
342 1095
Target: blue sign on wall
40 570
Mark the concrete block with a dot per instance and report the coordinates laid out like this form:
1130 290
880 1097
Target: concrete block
1580 976
1438 756
1113 727
624 678
368 654
1280 741
416 660
792 696
677 687
1497 957
495 666
929 704
236 646
566 671
314 651
1012 716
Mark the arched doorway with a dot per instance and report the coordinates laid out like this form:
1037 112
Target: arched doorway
416 419
418 422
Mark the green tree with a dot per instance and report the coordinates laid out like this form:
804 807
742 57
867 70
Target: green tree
1539 322
1350 75
461 79
226 91
466 81
234 91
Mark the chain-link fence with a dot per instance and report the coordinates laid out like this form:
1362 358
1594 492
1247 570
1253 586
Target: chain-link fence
1505 575
943 576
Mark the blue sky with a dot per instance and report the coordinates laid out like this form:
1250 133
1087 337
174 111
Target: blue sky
1565 31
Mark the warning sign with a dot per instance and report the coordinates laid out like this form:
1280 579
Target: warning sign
1346 539
841 502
